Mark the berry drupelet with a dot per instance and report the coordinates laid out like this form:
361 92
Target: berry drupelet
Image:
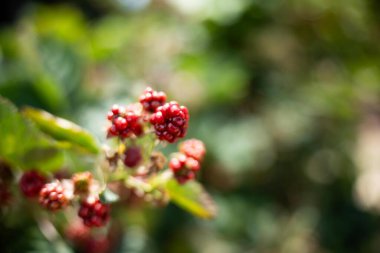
31 183
93 212
126 121
170 121
184 168
152 99
193 148
100 244
53 197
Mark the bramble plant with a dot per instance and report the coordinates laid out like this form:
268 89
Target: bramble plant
131 168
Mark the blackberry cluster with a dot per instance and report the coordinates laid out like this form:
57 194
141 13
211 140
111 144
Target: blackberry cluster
31 183
152 99
184 168
193 148
170 121
166 121
52 196
93 212
126 122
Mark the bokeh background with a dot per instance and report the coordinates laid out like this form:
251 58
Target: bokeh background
285 94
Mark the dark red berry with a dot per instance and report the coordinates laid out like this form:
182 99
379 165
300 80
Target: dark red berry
132 157
31 183
53 197
193 148
125 122
170 121
184 168
152 99
82 182
93 212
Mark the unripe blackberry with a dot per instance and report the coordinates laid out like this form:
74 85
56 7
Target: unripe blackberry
82 182
170 121
31 183
184 168
125 122
93 212
53 197
193 148
132 157
152 99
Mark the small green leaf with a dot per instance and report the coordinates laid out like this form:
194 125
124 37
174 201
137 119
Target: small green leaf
23 145
107 196
192 197
62 130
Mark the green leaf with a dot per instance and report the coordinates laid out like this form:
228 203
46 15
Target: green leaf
40 244
192 197
107 196
62 130
23 145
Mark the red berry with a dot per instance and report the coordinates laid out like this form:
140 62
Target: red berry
132 157
170 121
152 99
82 182
184 168
31 183
193 148
120 123
125 122
93 212
53 197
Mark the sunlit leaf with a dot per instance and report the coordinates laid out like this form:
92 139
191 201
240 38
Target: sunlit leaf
62 129
23 145
192 197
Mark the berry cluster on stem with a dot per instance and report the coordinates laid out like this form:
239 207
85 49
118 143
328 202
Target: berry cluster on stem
134 161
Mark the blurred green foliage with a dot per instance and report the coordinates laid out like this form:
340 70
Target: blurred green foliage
278 91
